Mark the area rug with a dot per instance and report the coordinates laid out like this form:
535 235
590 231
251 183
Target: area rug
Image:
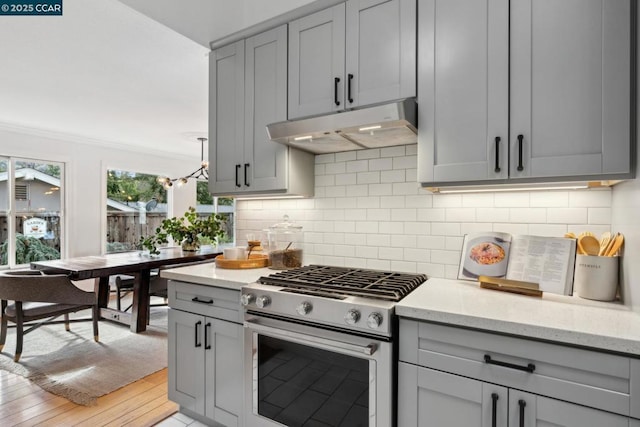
74 366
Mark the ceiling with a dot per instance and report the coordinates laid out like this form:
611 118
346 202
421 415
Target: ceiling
109 71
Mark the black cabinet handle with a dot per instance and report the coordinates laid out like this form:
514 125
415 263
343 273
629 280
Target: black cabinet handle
497 168
207 345
196 299
494 408
336 80
529 368
198 343
237 176
349 88
522 404
246 177
520 138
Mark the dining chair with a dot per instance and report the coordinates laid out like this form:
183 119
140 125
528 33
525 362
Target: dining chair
37 296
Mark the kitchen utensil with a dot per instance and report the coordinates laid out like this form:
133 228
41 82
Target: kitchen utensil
589 244
605 238
616 245
570 235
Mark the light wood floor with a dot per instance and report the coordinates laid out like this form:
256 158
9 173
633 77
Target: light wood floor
142 403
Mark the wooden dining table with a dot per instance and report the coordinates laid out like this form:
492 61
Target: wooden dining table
101 267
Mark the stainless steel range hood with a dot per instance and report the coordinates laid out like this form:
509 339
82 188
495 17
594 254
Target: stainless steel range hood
377 126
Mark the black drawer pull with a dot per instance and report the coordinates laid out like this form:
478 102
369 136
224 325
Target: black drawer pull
522 404
198 343
494 409
207 345
246 177
196 299
520 138
349 89
336 80
529 368
497 168
237 177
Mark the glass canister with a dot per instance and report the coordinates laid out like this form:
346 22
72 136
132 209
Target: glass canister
285 245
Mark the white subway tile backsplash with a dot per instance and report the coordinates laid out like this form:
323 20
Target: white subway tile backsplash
380 189
335 168
369 211
512 200
392 176
391 253
460 214
528 215
369 177
346 179
447 200
368 154
599 215
381 164
397 151
358 166
344 156
357 190
566 215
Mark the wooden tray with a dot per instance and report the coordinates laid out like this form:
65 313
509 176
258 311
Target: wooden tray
254 261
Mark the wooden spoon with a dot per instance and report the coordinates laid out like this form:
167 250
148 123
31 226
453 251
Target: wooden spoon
589 244
617 244
605 238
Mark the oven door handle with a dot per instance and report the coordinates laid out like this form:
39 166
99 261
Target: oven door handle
327 344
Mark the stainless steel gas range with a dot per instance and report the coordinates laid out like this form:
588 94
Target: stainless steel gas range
320 346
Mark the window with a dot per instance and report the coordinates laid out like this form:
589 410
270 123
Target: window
30 226
136 206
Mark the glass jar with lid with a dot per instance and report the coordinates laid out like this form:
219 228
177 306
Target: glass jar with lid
285 245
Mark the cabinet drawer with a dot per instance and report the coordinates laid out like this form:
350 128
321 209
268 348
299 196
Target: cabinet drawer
590 378
208 301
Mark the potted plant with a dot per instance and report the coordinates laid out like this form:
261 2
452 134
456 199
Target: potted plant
188 229
150 243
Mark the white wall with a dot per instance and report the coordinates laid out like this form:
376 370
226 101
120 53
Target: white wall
370 212
85 186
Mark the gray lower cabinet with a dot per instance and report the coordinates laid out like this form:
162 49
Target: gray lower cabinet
205 353
248 90
524 90
458 377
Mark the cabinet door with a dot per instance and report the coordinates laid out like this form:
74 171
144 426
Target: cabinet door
226 118
463 90
265 161
223 346
526 409
428 397
570 87
380 51
186 384
316 60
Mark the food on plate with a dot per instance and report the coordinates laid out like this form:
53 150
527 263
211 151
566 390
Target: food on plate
487 253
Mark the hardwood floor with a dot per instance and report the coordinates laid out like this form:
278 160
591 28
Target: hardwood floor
142 403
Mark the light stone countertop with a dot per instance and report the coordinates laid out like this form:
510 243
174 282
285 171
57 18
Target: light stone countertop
563 319
208 274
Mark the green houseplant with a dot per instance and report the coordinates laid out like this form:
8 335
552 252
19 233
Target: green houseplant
188 229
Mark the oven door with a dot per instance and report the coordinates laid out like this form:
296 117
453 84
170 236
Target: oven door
300 375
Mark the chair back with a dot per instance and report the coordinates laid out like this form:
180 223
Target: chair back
36 287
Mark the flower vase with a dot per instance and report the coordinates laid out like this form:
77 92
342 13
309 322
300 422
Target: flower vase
190 245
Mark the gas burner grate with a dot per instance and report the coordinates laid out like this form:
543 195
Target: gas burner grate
326 280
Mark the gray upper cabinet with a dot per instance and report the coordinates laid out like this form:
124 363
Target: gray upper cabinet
248 86
524 90
226 113
357 53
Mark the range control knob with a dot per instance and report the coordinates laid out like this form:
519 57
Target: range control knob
352 317
263 301
304 308
374 320
247 299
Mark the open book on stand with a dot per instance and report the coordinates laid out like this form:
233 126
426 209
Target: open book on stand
547 261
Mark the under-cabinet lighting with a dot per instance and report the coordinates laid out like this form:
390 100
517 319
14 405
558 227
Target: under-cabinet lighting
273 197
303 138
581 185
364 129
